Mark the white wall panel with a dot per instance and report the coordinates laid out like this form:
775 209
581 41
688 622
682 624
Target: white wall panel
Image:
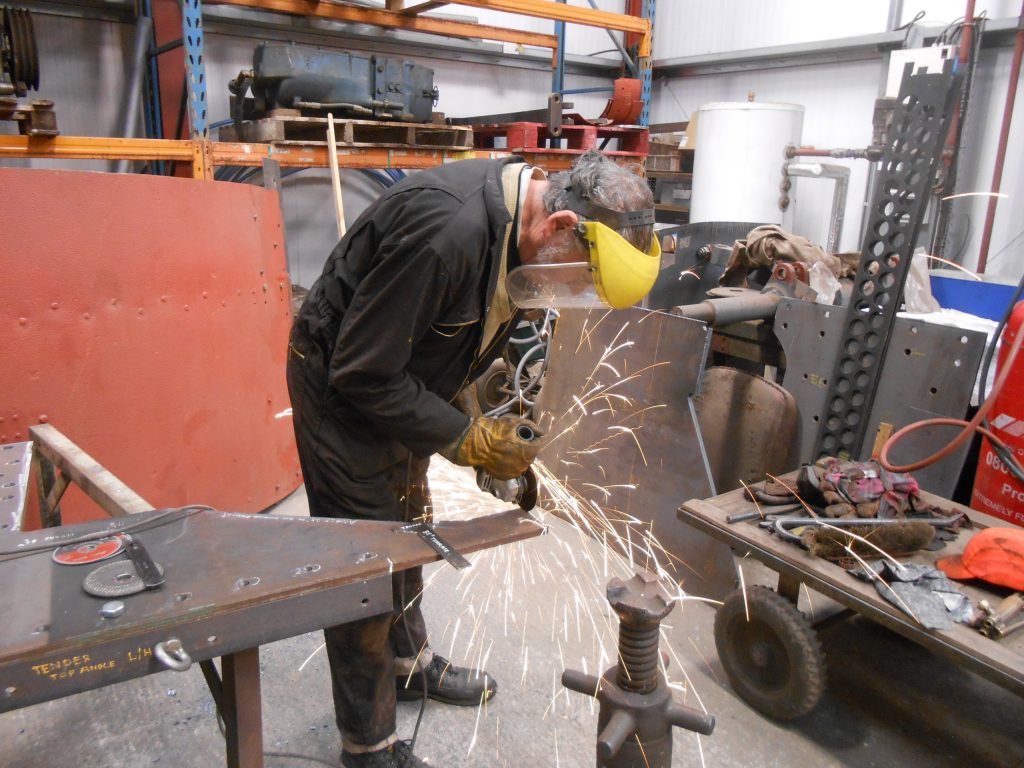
688 28
946 11
579 39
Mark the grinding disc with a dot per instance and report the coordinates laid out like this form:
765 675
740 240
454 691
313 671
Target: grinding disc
115 580
88 551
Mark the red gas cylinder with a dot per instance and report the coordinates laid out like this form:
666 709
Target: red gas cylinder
996 491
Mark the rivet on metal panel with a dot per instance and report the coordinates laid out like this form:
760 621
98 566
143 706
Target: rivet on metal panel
366 556
248 581
22 321
43 418
10 690
55 305
87 316
163 299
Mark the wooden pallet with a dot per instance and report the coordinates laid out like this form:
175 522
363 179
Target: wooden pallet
288 128
532 137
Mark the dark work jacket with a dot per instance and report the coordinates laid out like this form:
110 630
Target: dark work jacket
390 331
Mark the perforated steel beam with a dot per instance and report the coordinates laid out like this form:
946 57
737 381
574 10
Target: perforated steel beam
919 127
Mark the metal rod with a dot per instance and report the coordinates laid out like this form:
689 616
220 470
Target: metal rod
895 15
162 49
618 44
558 62
133 91
841 175
1004 135
570 91
243 712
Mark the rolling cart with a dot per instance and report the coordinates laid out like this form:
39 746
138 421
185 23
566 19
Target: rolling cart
770 649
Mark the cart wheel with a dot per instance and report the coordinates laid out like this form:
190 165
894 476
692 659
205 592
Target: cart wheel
774 661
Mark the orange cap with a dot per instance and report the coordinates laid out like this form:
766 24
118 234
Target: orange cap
995 555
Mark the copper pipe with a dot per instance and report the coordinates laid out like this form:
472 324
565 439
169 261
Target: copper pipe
860 153
968 33
1004 136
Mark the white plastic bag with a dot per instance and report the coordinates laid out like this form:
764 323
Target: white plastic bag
823 282
917 293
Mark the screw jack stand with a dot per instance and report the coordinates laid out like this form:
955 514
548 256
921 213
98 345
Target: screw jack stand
637 710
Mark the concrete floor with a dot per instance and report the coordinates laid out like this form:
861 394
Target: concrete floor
528 611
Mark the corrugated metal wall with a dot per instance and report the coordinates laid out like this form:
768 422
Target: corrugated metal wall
466 88
692 28
85 66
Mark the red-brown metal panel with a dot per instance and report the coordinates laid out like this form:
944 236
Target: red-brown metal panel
147 318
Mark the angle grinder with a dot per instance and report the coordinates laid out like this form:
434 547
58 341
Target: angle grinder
521 490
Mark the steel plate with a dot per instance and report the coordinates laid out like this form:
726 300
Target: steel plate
637 451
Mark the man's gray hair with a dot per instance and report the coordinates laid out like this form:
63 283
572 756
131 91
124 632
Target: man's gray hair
601 181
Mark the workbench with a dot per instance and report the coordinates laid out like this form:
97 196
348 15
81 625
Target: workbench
1000 661
232 582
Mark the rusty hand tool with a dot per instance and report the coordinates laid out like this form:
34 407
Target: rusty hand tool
739 517
151 576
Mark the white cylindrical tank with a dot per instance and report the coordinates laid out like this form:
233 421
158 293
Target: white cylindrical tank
737 169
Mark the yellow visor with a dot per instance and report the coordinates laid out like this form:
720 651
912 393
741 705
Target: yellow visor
617 275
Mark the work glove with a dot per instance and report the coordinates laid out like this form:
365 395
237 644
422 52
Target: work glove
466 402
501 447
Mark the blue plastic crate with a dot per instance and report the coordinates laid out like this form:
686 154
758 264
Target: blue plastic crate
981 298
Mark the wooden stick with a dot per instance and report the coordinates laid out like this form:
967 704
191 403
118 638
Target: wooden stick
332 152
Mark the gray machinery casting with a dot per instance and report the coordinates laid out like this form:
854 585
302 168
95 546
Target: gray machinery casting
637 708
19 56
310 79
19 74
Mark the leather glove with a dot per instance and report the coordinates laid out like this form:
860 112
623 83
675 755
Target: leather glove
496 446
466 402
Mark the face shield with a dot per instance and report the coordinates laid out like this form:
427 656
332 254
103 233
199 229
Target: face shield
617 275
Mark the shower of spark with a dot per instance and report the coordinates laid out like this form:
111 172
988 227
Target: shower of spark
594 541
976 194
953 264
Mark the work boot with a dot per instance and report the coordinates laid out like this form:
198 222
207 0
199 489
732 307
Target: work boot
398 755
447 683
